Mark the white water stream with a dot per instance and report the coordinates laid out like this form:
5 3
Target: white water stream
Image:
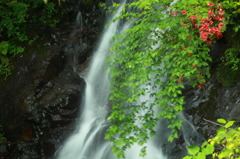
88 142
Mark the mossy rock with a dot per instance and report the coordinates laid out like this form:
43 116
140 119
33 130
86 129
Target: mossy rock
227 76
208 108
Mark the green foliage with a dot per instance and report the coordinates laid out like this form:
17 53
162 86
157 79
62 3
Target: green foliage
232 54
232 8
232 58
18 19
163 44
228 75
48 14
225 145
4 61
13 16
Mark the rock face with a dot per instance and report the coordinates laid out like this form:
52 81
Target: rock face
211 104
41 100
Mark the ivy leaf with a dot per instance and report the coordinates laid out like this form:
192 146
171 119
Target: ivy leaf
222 121
193 149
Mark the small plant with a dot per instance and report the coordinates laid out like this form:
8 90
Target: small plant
228 73
225 145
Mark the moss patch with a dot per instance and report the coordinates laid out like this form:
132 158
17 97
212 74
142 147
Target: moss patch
228 77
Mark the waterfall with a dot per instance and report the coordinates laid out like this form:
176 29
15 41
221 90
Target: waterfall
87 142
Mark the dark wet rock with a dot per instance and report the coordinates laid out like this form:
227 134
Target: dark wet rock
41 100
37 108
234 114
211 104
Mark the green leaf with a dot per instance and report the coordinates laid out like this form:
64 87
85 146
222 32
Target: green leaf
193 150
222 121
229 124
208 149
201 156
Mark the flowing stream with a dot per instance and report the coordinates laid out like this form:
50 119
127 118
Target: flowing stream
88 142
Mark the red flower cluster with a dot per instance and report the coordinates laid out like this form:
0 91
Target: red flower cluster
212 26
209 28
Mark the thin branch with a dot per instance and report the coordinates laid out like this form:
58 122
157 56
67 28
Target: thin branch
220 125
212 122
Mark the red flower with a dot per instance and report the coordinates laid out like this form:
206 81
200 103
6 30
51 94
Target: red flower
204 35
209 42
210 4
220 25
209 18
184 12
204 27
210 30
194 22
218 18
210 12
189 54
221 13
203 20
210 22
173 13
200 86
193 17
218 35
215 29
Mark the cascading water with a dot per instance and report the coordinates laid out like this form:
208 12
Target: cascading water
88 140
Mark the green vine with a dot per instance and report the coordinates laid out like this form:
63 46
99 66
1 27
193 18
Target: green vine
168 42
